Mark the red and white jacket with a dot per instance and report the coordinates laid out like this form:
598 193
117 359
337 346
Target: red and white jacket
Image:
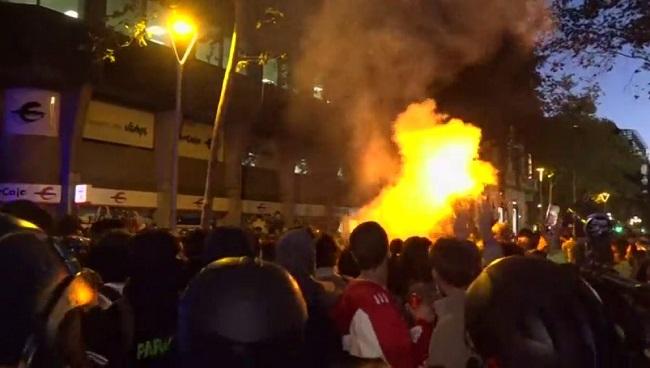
372 326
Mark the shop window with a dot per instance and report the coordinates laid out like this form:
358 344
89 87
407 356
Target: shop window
270 72
302 167
71 8
250 160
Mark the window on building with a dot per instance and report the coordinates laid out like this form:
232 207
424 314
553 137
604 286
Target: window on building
120 13
270 72
340 174
156 16
71 8
210 52
301 167
318 91
250 160
123 14
215 52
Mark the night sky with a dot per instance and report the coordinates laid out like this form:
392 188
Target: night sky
618 103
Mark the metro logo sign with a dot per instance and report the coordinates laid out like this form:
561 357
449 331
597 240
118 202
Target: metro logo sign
119 197
46 194
30 111
89 195
40 193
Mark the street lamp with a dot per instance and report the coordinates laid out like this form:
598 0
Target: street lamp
540 171
603 198
183 34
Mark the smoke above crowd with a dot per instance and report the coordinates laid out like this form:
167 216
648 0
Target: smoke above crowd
374 58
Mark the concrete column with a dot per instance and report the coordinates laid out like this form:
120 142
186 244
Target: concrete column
74 108
287 183
28 158
163 140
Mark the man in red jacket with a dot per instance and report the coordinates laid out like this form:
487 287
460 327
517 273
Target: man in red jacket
367 315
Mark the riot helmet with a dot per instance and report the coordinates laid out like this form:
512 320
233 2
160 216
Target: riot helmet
599 231
598 225
241 312
530 312
41 286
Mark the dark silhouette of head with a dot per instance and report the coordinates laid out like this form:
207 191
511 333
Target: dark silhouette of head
395 247
102 226
369 245
414 261
241 312
327 251
456 262
226 241
68 225
346 264
194 243
110 256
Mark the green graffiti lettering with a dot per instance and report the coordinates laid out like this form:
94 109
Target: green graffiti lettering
153 348
140 351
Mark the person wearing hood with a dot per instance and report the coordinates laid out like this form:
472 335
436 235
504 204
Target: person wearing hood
295 252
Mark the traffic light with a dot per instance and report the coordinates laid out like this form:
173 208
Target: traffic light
618 229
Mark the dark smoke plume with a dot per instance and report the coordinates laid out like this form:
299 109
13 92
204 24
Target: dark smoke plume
373 57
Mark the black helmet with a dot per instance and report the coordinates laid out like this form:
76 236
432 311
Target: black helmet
599 229
41 288
598 225
9 224
241 312
530 312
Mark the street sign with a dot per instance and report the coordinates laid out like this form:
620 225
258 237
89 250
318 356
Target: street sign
40 193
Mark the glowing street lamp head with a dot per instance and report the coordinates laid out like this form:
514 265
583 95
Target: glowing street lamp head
181 26
541 170
183 34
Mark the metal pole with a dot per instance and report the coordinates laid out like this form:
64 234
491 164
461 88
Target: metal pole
550 193
573 190
178 121
210 185
541 200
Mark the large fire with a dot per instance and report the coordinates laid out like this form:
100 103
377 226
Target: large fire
440 166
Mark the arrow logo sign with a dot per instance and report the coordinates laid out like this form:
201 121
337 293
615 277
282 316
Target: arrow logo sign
46 193
29 112
119 197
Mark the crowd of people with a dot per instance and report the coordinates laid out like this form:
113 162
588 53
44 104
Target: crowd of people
110 296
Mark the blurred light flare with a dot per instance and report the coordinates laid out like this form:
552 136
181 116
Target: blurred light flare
71 13
439 167
157 30
181 26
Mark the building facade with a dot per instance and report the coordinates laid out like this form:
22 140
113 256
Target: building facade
97 134
86 135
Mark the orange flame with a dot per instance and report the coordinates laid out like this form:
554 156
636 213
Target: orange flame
440 166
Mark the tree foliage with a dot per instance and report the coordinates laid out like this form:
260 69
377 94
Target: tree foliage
575 140
129 25
598 31
595 33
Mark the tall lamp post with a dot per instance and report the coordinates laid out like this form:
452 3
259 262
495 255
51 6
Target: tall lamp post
183 34
540 171
550 176
603 198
